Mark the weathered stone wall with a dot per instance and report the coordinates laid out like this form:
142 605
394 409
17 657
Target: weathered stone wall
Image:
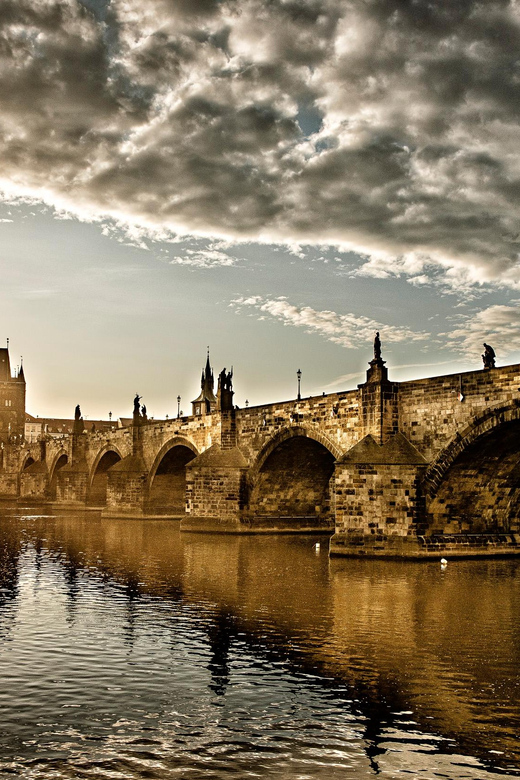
216 488
216 494
378 495
430 413
34 482
335 417
125 492
376 501
72 485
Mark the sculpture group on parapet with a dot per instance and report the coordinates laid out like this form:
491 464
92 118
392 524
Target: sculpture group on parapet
225 381
488 358
139 411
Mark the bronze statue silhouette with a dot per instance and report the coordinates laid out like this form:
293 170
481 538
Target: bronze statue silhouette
377 347
488 358
137 407
77 413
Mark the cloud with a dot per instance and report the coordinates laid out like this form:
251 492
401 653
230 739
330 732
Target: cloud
204 258
388 128
348 330
498 325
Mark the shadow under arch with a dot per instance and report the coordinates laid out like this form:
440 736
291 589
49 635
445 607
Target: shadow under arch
292 477
167 477
473 486
60 460
29 460
107 457
289 432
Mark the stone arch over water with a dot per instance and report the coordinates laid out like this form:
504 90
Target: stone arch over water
167 480
292 477
474 484
28 462
97 494
60 461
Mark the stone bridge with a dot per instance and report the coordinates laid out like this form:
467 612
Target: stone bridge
417 468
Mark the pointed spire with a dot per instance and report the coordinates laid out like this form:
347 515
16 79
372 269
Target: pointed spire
206 400
208 370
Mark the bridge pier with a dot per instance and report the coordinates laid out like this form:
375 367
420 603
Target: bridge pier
216 483
34 480
379 505
9 471
127 480
73 479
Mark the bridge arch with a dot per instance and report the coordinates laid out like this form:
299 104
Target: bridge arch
107 457
60 459
167 477
289 432
292 477
473 485
28 461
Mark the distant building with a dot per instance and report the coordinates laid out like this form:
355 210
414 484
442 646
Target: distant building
35 427
12 400
206 402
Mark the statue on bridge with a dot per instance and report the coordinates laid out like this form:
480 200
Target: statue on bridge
377 347
488 358
225 390
143 412
137 406
78 426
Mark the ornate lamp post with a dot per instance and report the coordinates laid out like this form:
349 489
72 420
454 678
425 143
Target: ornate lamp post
178 406
299 375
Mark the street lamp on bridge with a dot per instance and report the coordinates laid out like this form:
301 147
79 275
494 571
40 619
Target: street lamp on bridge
299 375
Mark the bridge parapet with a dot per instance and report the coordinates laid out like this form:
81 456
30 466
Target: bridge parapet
430 412
336 415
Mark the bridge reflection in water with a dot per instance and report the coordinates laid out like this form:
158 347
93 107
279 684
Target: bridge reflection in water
127 648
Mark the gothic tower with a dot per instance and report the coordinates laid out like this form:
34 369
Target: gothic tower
12 401
205 402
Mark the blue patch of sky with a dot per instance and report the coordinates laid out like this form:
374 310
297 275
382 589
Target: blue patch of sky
310 119
99 8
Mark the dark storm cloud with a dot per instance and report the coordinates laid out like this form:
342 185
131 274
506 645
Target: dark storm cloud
388 126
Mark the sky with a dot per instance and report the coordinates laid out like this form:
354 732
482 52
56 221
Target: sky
274 179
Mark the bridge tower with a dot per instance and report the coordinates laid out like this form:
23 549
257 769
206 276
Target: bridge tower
12 401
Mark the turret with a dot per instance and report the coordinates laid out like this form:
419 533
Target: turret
206 402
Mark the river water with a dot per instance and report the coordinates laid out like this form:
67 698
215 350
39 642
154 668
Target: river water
130 650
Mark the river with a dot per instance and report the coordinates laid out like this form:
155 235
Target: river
130 650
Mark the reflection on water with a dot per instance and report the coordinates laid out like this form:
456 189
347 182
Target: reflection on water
130 651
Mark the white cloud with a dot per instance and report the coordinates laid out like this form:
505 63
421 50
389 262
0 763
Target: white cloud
498 325
349 330
204 258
